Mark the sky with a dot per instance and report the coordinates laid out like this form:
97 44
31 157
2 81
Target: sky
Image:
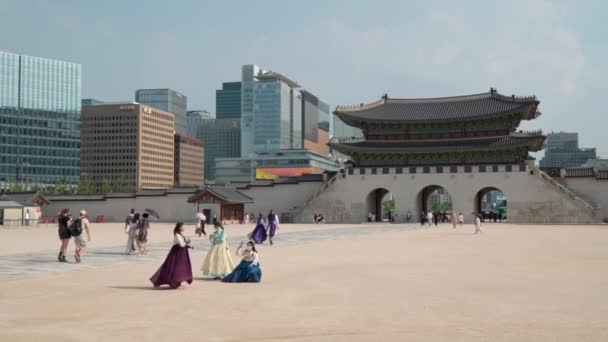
345 52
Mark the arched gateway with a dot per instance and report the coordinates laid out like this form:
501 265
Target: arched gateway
461 143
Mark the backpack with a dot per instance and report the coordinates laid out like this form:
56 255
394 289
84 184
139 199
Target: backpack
76 227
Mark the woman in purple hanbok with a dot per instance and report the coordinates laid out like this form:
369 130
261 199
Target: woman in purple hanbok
273 225
176 268
259 233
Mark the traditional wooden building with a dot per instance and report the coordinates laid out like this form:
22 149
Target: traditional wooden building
460 130
231 203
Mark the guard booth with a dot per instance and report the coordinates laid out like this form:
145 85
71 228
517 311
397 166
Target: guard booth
228 202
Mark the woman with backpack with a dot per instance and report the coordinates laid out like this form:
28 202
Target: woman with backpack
63 222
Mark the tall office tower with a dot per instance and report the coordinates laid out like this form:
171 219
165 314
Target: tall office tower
39 120
189 162
127 146
271 112
562 151
169 101
222 139
315 116
195 119
228 101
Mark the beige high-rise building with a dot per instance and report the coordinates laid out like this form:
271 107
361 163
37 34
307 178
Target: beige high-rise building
189 161
126 147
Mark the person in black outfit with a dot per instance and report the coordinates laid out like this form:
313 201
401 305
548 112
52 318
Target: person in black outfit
435 218
63 223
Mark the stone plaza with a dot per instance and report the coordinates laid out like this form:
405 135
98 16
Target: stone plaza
356 282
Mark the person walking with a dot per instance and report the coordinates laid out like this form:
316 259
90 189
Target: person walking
142 235
131 232
177 267
477 224
249 268
127 223
422 218
273 225
369 217
63 222
218 262
429 218
259 234
81 239
460 219
454 220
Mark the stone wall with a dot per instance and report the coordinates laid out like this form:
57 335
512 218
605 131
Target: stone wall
530 198
591 189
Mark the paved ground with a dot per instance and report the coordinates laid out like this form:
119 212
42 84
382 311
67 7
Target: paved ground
320 283
38 262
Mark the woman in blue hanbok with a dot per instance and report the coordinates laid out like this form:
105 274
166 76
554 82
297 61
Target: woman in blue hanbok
248 271
259 234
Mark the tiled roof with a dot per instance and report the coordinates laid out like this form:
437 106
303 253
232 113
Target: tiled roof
533 142
468 107
25 198
602 174
580 172
225 193
10 204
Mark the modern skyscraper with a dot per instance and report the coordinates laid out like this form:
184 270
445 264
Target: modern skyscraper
562 151
228 101
195 119
39 120
127 146
222 139
271 112
315 116
189 162
169 101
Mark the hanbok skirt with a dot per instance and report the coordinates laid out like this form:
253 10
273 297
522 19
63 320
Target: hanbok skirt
259 234
272 228
175 270
244 273
218 262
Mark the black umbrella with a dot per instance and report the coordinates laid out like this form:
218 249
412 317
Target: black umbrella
152 213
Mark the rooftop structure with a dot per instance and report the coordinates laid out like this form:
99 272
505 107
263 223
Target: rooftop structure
168 100
471 129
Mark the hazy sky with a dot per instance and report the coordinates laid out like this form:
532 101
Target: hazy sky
346 52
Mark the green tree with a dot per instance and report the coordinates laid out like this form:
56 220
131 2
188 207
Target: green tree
16 187
123 184
106 186
85 186
388 206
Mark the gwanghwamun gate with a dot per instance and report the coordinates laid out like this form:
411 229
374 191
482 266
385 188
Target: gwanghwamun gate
462 147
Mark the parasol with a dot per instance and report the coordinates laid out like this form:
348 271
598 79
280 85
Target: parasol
152 213
201 216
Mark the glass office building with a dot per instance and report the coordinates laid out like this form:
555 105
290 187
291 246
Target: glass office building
40 101
562 151
228 101
195 120
222 139
169 101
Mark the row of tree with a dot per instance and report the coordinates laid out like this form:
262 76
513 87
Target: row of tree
85 186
